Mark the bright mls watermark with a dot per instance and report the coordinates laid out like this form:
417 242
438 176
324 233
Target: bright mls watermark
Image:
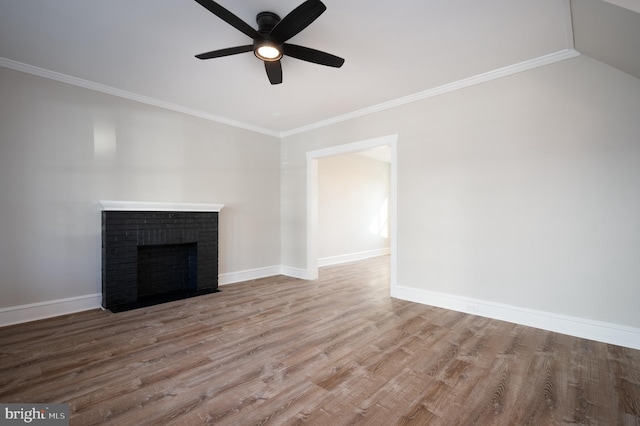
36 414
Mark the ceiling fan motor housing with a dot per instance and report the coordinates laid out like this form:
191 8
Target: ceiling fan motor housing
266 21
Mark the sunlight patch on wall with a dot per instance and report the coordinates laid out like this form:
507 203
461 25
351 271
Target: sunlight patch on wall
380 223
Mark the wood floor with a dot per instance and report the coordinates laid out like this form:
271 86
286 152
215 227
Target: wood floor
337 351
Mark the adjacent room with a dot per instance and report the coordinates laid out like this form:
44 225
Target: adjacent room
321 212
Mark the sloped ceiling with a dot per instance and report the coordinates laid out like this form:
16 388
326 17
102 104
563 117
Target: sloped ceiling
608 32
145 49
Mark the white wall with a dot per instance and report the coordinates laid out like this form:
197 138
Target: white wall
353 206
522 191
64 148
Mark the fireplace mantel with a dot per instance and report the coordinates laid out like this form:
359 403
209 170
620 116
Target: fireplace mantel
145 206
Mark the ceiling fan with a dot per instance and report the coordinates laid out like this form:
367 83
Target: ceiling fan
269 40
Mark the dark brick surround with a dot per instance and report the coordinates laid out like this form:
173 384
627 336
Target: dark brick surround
125 232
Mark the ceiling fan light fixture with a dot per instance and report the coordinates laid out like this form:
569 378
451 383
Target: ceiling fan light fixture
267 51
270 39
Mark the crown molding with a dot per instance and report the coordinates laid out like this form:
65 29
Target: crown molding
63 78
445 88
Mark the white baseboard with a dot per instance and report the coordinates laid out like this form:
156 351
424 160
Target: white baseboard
290 271
248 274
54 308
585 328
270 271
344 258
579 327
48 309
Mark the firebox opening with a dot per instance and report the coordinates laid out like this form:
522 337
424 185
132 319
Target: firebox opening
167 272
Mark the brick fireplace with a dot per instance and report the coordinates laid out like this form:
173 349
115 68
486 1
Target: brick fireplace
157 252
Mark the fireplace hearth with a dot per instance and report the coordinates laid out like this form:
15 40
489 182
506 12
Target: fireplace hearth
157 252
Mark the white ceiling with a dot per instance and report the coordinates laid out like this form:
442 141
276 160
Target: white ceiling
146 48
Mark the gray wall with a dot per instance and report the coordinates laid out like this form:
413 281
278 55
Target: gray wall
521 191
64 148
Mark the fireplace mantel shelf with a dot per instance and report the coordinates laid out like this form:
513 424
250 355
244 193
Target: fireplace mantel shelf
145 206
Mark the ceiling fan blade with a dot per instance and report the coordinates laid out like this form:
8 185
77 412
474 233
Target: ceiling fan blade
274 71
312 55
230 18
297 20
225 52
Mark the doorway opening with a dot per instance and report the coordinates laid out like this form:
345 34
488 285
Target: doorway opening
312 197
